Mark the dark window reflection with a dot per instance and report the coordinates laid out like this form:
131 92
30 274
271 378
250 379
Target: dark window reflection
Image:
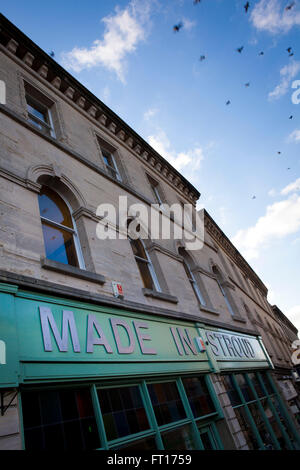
123 411
166 402
198 395
59 419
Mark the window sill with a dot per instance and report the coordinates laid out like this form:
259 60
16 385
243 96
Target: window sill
160 295
208 310
240 319
72 271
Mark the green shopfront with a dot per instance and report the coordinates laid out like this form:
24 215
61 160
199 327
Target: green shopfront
90 376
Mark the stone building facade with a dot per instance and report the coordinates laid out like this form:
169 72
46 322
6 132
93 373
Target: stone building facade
63 153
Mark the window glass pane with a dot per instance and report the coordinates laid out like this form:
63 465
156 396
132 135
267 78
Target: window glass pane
54 208
166 402
59 245
231 390
256 384
123 411
207 439
142 444
266 383
39 112
198 395
246 428
272 420
246 391
138 249
145 274
284 424
179 439
63 419
260 425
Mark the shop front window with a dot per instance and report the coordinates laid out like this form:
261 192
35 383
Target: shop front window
142 416
259 411
61 419
123 411
166 402
198 395
179 439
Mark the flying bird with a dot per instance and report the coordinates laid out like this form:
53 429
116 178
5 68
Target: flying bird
253 197
247 84
290 6
288 168
289 49
279 153
246 6
202 57
261 53
227 102
196 1
177 27
291 117
291 54
239 49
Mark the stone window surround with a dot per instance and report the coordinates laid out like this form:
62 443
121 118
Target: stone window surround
56 114
227 286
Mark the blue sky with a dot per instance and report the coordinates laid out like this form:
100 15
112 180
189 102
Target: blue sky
128 55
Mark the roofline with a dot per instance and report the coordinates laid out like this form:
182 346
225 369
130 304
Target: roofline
72 80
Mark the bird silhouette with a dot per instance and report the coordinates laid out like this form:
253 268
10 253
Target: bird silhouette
289 49
239 49
290 6
196 1
177 27
291 117
246 6
227 102
253 197
279 153
247 84
202 57
291 54
261 53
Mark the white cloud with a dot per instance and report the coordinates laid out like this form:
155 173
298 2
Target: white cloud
295 136
124 30
105 95
186 162
188 24
150 113
271 16
291 188
280 220
272 193
288 72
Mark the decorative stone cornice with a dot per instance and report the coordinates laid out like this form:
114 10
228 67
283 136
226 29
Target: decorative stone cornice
48 69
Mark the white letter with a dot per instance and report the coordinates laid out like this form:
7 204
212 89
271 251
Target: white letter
296 94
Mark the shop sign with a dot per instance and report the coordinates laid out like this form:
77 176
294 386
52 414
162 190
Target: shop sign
228 346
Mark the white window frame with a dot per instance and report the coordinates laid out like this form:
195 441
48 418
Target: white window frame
49 127
114 168
150 266
74 231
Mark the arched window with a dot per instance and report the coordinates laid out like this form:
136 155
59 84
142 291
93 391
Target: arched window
190 275
145 265
60 235
222 289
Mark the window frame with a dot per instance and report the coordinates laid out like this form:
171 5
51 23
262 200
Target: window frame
114 167
78 250
149 263
47 126
155 431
